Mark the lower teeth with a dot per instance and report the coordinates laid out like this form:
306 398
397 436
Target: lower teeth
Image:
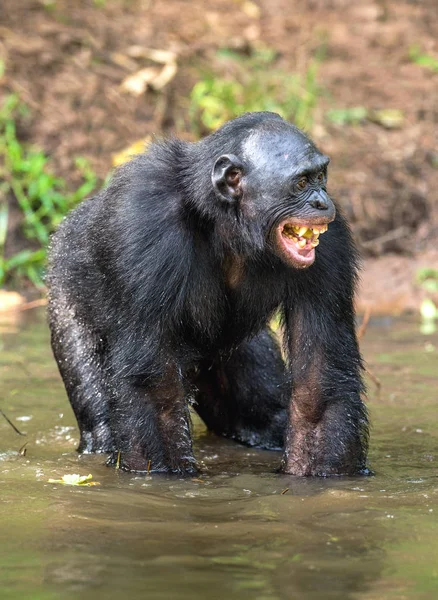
307 236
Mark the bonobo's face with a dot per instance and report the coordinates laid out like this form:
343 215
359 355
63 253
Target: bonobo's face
280 180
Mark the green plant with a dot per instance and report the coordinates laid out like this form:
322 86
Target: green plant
41 196
253 84
347 116
427 277
422 59
389 118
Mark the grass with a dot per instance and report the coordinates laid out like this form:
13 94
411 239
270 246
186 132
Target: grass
422 59
389 118
252 83
42 197
347 116
427 278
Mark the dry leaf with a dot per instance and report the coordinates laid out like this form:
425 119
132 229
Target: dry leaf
75 479
159 56
10 300
132 150
153 77
137 83
166 75
390 118
251 9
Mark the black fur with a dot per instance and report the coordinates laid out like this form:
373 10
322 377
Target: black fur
161 288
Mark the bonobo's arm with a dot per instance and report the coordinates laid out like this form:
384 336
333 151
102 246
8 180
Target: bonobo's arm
328 428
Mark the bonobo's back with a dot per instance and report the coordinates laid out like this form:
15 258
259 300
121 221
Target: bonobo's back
136 243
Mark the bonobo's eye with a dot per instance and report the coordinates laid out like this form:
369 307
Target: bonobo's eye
302 183
321 177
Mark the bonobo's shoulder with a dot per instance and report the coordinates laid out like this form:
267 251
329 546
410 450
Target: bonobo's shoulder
147 177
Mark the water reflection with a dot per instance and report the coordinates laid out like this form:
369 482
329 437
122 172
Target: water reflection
231 531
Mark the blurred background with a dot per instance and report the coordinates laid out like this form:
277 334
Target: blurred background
85 84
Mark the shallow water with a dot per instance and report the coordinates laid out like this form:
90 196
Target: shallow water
231 532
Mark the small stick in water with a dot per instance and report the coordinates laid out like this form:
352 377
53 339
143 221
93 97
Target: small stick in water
10 423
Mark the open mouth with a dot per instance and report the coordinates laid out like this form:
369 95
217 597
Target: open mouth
298 242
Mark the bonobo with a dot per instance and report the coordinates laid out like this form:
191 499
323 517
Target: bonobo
162 288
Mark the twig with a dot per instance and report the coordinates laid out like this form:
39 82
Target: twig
362 328
25 306
387 237
360 332
375 380
10 423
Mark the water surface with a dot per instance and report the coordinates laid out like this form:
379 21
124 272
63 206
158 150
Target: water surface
239 529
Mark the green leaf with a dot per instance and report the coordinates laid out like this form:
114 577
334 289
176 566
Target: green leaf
26 257
428 310
422 59
347 116
3 224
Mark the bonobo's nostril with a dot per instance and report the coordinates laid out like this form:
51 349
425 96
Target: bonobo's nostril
319 201
319 205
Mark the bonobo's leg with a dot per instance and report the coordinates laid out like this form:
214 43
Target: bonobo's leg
151 425
328 428
244 395
77 351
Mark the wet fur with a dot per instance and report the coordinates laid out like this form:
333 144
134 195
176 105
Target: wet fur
160 297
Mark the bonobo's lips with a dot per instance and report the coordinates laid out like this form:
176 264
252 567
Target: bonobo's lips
297 243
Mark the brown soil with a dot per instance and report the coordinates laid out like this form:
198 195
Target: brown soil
66 60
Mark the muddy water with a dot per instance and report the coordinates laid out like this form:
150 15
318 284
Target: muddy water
231 533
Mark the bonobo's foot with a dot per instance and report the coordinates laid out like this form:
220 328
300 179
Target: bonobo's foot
307 469
313 450
134 462
99 440
309 454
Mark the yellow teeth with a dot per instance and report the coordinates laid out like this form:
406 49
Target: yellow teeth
303 231
304 236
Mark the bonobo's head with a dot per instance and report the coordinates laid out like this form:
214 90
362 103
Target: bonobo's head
277 178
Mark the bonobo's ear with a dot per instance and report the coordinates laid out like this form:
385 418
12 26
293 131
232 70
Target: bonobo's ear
226 178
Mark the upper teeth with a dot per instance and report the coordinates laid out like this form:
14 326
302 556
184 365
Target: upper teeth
301 233
304 231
